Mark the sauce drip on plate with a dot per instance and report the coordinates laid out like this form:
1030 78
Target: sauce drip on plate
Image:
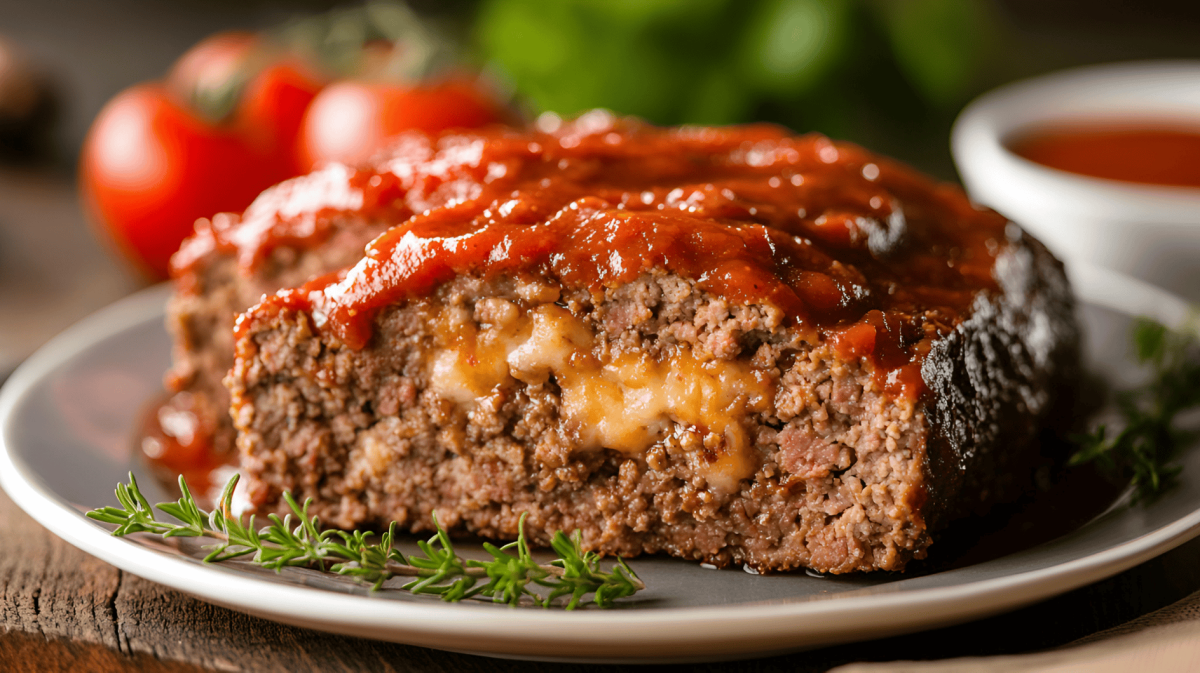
1142 154
174 441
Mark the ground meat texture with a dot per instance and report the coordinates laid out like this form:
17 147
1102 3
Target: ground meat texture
210 293
732 344
832 473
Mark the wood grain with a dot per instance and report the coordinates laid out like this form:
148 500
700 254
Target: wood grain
62 610
25 653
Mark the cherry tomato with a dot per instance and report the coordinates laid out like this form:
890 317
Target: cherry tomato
210 73
149 168
349 121
271 109
219 130
235 116
237 79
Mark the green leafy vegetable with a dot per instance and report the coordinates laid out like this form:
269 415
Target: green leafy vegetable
1146 449
940 45
861 70
790 46
510 577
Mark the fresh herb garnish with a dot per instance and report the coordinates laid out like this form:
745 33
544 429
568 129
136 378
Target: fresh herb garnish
510 577
1146 449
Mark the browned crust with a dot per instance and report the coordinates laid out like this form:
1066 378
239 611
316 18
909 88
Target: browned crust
1003 376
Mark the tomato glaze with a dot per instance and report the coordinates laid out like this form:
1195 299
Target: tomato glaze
1143 154
175 442
851 246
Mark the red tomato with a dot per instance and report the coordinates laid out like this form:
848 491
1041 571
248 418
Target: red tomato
213 64
220 130
149 168
235 78
271 109
349 121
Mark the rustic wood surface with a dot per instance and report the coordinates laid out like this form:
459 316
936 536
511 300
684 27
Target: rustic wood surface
63 610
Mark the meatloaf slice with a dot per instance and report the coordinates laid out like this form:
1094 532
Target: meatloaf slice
303 228
730 345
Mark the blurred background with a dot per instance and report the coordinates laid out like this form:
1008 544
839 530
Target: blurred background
889 74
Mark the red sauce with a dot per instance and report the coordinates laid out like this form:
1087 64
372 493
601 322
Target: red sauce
175 442
1143 154
836 237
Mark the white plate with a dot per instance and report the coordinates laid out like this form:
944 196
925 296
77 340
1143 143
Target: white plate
1149 231
66 423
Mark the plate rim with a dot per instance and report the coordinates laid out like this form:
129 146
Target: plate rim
682 633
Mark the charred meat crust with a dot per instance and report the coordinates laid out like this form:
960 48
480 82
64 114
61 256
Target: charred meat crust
1004 375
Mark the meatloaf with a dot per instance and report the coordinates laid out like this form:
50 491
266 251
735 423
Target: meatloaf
297 230
733 345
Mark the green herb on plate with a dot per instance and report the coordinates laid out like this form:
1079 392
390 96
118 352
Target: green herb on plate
1146 450
511 576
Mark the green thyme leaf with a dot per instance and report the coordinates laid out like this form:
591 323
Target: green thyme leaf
1146 450
297 540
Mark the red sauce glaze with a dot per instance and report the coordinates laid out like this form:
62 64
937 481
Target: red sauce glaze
296 213
1143 154
846 243
175 442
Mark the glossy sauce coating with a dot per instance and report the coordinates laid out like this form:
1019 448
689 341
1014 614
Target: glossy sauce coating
175 442
1142 154
849 245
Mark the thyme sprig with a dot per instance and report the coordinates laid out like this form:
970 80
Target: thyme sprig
1146 449
512 576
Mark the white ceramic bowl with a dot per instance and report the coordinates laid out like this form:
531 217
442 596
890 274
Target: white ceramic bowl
1147 231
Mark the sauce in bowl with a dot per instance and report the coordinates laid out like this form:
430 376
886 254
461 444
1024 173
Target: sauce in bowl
1146 154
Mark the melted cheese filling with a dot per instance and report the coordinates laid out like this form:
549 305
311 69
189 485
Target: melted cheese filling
627 403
